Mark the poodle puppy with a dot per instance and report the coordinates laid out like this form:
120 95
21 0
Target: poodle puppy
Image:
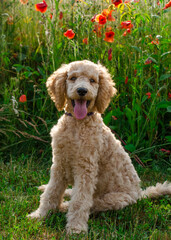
86 154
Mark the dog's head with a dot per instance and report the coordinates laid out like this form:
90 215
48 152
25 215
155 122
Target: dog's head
81 87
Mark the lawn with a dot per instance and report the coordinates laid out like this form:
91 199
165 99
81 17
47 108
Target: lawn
148 219
130 38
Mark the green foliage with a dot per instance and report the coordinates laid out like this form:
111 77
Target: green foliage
33 45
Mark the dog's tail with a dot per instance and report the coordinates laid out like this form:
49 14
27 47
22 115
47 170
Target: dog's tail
156 191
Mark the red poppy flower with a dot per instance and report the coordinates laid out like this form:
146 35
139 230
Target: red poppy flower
60 15
109 36
167 5
108 14
126 80
148 94
155 42
165 150
69 34
110 54
115 118
85 40
135 72
101 19
116 2
97 30
126 25
23 98
169 95
148 61
158 3
41 7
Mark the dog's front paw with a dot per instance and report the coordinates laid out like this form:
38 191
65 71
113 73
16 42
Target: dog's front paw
36 214
76 228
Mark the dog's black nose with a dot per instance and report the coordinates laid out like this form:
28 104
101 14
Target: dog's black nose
81 91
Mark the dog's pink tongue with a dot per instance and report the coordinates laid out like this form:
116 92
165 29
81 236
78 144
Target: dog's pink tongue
80 109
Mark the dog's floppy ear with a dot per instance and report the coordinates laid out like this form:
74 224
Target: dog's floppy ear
106 89
56 86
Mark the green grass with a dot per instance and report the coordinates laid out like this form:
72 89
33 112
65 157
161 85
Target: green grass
148 219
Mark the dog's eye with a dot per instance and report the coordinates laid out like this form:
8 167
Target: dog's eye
92 80
73 78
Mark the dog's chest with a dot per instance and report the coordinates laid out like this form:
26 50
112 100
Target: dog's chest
78 145
80 141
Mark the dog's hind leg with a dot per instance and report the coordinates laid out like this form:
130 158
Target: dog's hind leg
42 187
113 201
67 192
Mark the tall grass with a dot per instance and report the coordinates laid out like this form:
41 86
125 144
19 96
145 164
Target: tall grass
33 46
